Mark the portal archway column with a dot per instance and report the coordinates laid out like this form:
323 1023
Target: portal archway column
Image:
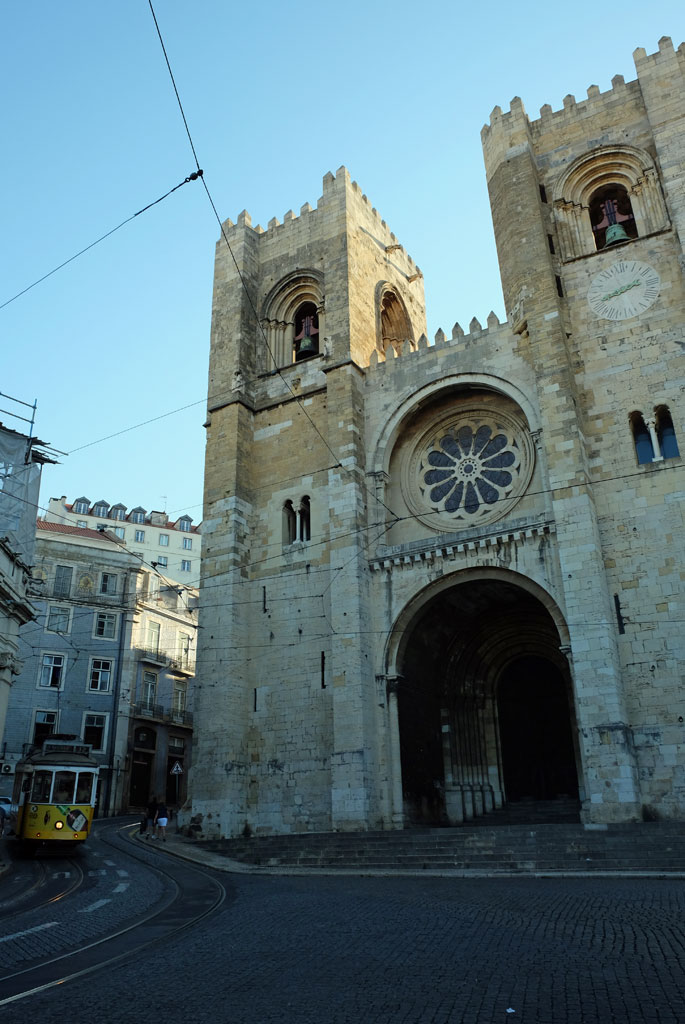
397 795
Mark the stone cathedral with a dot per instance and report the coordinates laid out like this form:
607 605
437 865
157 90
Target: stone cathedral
445 577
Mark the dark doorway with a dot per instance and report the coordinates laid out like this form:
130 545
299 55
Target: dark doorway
141 774
538 758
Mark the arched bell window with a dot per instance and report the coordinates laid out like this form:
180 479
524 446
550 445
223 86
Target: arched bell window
611 216
289 523
665 432
642 439
395 325
305 531
306 337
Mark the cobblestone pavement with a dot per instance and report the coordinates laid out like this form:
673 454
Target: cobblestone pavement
327 950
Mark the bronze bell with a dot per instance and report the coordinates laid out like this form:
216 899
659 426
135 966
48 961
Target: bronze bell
307 347
615 233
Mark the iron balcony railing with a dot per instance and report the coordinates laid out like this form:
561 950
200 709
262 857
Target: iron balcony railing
161 713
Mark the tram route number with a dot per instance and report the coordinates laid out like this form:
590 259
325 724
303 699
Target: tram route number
176 769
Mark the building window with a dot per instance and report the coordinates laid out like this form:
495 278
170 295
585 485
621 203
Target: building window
185 565
82 523
62 587
108 583
305 531
52 671
179 698
163 561
395 326
611 216
44 725
164 540
106 625
306 336
665 432
138 516
101 510
94 727
187 543
644 449
118 512
119 532
100 675
153 630
184 524
149 690
81 507
140 536
177 744
58 620
289 523
184 649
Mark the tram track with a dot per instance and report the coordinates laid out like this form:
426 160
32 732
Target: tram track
195 895
57 887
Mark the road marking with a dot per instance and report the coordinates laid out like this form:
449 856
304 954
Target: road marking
121 887
28 931
94 906
62 874
121 873
98 871
109 863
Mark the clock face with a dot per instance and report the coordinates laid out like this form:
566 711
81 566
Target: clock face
626 288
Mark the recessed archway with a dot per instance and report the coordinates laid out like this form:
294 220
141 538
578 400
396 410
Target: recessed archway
485 705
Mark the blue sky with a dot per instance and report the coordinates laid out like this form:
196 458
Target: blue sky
275 95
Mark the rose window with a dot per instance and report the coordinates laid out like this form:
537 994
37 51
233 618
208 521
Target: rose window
469 469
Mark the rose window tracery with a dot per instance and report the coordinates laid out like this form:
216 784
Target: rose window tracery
468 469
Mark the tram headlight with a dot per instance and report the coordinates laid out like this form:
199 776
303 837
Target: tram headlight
59 824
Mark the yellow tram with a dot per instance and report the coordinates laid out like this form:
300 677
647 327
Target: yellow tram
54 792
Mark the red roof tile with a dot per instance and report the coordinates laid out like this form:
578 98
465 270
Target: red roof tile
80 531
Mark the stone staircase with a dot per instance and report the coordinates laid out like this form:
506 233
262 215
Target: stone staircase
652 848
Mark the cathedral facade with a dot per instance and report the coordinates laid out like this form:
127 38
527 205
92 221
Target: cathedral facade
444 577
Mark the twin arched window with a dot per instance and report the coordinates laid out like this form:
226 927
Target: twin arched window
654 438
293 319
297 524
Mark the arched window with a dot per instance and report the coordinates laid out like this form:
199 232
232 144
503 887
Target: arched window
611 216
305 532
395 324
289 523
306 339
665 432
644 449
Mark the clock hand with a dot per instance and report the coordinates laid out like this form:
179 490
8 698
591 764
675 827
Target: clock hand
619 291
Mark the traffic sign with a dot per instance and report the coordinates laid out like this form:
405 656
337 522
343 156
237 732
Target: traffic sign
177 769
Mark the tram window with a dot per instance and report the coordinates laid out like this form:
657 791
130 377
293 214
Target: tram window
84 788
64 787
40 794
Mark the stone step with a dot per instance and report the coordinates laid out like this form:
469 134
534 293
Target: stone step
654 846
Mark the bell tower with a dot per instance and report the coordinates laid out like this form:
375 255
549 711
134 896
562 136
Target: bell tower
285 687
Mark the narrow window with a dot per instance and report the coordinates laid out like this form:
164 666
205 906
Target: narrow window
105 625
108 583
550 243
543 193
642 439
149 690
63 574
305 519
611 216
560 290
289 523
153 630
44 726
51 671
100 675
665 432
58 620
306 340
94 731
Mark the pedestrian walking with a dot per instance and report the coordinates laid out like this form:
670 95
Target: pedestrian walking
162 820
151 818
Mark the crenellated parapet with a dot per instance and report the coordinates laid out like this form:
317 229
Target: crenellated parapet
337 189
511 129
401 355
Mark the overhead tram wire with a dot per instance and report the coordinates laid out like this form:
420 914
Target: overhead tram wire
191 177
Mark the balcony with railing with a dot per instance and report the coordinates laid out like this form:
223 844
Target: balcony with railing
163 713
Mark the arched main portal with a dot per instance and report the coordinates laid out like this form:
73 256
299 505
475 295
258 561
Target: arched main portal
485 704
